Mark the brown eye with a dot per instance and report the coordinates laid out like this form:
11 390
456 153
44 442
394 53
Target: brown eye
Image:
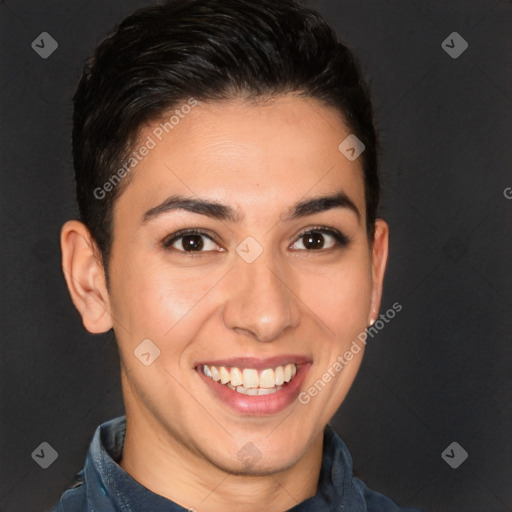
320 238
190 241
314 240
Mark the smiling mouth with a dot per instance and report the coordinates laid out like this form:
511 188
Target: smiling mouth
249 381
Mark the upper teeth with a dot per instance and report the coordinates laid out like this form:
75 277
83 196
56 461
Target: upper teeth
249 378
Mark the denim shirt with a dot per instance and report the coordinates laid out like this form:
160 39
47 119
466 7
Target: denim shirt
103 486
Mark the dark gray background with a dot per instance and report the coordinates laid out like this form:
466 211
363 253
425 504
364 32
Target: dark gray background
437 373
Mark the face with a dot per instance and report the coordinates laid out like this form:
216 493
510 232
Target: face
240 252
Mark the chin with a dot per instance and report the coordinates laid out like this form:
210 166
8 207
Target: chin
264 455
265 466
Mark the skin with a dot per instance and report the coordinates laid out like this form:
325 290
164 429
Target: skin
260 159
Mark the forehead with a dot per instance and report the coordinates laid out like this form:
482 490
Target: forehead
250 154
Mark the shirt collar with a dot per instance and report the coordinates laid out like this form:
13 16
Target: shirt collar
110 488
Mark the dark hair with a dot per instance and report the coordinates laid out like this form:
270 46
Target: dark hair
163 55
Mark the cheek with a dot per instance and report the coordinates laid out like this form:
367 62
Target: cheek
159 302
341 298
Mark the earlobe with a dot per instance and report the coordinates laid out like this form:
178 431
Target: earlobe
85 277
379 261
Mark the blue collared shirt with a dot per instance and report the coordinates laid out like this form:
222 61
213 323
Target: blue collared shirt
103 486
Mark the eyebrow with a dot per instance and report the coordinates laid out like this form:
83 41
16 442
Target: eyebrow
220 211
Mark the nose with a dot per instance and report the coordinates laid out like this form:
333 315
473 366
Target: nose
262 302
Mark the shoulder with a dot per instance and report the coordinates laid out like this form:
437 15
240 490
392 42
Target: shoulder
377 502
359 496
73 499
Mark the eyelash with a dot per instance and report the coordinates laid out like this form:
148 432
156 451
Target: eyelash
341 240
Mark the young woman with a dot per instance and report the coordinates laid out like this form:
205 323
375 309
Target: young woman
226 170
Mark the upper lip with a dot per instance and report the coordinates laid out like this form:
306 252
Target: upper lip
256 362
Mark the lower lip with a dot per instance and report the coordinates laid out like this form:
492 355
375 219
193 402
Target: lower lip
258 405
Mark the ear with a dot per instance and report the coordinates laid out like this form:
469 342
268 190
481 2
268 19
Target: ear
85 276
379 261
